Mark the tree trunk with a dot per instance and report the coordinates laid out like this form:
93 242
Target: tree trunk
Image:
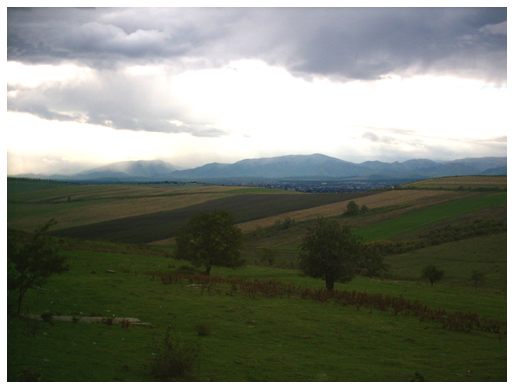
208 269
329 283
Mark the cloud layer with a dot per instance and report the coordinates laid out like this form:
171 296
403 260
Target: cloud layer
204 84
350 43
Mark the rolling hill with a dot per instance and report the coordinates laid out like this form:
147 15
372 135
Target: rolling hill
314 166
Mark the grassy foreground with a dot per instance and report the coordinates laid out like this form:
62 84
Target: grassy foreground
251 339
273 338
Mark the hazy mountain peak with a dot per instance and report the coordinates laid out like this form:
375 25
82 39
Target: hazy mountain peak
310 166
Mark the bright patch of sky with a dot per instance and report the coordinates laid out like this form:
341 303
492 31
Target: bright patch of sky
180 97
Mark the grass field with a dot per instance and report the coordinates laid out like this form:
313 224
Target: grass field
458 259
462 183
255 338
407 221
264 339
411 222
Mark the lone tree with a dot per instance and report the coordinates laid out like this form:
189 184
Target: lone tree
477 277
31 261
352 209
330 251
432 274
210 239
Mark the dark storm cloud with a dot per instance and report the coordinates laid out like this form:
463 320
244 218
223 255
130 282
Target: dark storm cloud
348 43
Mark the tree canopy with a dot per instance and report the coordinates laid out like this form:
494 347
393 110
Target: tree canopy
432 274
477 277
352 209
330 251
30 261
210 239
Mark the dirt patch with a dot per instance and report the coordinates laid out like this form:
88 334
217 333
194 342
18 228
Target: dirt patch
122 321
462 182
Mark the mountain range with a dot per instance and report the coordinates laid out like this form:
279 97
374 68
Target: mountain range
314 166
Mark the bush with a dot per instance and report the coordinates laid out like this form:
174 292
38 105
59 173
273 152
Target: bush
477 277
31 260
203 329
267 256
174 359
466 230
432 274
47 317
352 209
284 224
388 247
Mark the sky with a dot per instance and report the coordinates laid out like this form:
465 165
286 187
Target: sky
87 87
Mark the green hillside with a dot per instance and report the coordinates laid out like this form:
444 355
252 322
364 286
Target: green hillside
264 321
275 339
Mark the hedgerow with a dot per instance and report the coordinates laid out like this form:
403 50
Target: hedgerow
457 321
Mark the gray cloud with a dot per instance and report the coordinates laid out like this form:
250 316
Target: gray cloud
112 99
386 147
348 43
398 137
371 136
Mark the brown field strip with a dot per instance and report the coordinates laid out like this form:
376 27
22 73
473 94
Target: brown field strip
466 182
100 192
383 199
80 213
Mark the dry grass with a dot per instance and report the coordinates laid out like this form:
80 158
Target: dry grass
465 182
384 199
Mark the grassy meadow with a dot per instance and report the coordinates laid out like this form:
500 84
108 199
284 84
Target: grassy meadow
112 273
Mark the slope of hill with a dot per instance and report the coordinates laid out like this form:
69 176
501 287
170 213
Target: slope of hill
315 165
128 170
301 167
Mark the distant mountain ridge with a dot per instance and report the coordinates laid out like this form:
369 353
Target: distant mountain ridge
313 166
128 170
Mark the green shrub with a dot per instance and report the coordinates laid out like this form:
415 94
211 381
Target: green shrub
352 209
203 329
267 256
432 274
174 360
47 317
284 224
477 277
